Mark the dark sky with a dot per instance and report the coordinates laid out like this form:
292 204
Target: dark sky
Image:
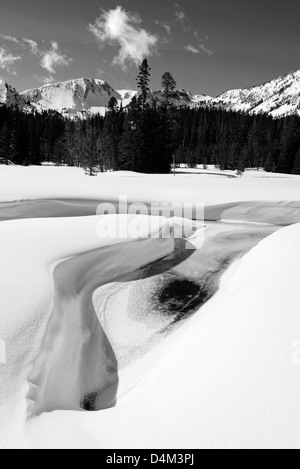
209 46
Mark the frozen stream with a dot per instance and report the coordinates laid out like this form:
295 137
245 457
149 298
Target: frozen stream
139 307
138 314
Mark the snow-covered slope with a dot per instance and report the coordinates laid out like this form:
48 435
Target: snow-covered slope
126 96
200 98
279 97
74 96
228 378
182 98
10 97
171 396
91 96
178 97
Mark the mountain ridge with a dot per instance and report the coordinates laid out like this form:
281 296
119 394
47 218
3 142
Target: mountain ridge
10 96
82 95
278 97
87 96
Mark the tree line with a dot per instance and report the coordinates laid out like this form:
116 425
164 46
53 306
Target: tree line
148 136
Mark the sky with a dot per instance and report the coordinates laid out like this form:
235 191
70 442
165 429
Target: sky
210 46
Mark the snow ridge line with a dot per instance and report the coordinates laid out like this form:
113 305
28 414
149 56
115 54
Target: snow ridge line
76 360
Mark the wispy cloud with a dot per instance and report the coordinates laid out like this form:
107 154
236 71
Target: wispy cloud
9 38
33 45
7 60
100 73
192 49
180 14
53 58
166 26
205 50
123 29
45 80
200 49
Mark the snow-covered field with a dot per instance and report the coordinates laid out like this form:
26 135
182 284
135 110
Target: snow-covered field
171 348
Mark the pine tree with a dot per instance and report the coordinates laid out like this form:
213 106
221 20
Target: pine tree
90 153
143 81
290 140
168 85
296 167
4 144
131 144
110 137
113 104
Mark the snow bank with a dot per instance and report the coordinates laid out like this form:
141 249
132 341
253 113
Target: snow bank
52 192
57 352
227 379
40 183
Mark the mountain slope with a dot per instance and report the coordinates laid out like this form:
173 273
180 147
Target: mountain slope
74 96
279 97
10 97
84 96
127 96
181 98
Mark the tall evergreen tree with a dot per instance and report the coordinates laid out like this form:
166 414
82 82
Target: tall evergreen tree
296 167
4 143
143 81
168 86
111 136
90 155
131 144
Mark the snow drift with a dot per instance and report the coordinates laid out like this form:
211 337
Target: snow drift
227 379
57 352
76 359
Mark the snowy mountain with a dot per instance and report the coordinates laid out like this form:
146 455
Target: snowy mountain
178 97
279 97
126 96
80 96
84 96
10 97
201 98
182 98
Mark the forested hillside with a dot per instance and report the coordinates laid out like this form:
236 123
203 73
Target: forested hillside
148 136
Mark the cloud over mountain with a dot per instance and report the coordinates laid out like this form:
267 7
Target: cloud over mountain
7 60
120 28
53 58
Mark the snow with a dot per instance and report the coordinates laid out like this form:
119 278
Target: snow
9 96
201 98
225 378
33 324
76 98
79 95
126 96
279 97
34 183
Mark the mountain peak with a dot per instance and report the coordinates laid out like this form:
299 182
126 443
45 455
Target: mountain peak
83 96
9 96
279 97
73 96
83 81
